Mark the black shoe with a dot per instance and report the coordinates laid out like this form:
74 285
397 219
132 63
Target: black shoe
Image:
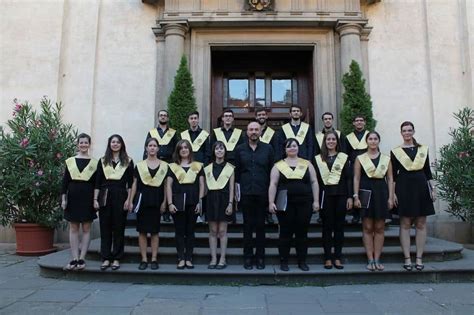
284 266
221 266
260 264
166 217
338 266
154 265
248 264
143 265
269 218
189 264
212 266
303 266
179 266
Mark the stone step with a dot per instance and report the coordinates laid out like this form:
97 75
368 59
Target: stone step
235 239
461 270
435 250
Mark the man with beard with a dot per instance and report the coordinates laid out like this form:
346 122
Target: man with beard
199 139
230 136
253 163
328 120
356 145
299 130
167 140
268 136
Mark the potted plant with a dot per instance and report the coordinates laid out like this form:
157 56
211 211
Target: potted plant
32 154
455 174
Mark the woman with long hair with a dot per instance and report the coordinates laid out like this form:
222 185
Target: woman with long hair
112 196
297 177
414 192
373 174
77 200
184 189
220 185
335 182
149 201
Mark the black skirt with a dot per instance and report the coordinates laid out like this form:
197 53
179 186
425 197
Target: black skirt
378 206
216 203
414 199
80 202
148 220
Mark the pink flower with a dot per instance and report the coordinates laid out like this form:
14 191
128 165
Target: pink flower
24 142
59 155
463 154
18 107
40 173
22 129
31 163
38 123
53 134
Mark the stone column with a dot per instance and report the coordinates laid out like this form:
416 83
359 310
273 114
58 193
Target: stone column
160 99
175 34
349 33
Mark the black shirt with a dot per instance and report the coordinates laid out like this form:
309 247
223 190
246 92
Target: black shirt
203 155
151 196
252 168
344 187
191 190
230 157
81 165
350 150
399 170
166 151
305 150
125 182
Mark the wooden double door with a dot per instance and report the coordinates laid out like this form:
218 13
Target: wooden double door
274 79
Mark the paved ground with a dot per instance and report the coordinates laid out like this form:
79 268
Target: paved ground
23 291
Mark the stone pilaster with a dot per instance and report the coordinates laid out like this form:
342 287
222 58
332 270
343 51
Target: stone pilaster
160 96
174 35
350 36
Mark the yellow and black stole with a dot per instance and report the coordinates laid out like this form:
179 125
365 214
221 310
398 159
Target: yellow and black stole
197 143
369 167
320 137
222 180
233 140
301 133
288 172
145 175
86 173
268 135
331 177
112 173
355 143
184 177
415 165
169 134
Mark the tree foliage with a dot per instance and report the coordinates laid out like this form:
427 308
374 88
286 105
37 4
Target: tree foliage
181 101
32 156
455 168
356 100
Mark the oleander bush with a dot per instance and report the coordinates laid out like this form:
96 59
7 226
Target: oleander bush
32 154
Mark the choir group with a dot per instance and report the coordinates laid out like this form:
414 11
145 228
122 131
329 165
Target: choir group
292 172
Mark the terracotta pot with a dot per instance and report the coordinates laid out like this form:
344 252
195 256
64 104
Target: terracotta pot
33 239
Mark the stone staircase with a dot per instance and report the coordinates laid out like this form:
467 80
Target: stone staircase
445 261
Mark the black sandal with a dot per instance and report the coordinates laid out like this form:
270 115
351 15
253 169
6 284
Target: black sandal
81 264
72 265
115 265
105 265
407 267
419 267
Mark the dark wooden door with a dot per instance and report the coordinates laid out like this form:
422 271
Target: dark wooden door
274 79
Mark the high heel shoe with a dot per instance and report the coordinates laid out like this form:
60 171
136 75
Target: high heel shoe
370 265
418 266
407 267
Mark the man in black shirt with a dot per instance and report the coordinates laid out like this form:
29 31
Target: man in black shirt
356 145
328 120
167 139
268 136
230 136
253 161
299 130
198 138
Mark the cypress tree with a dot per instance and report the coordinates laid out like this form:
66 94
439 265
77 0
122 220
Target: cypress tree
181 101
356 100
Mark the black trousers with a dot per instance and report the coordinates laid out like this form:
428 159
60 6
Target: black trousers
333 215
295 220
113 219
254 209
184 223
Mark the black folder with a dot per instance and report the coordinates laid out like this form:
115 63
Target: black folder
282 200
364 197
179 201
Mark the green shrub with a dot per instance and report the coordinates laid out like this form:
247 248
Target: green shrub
455 168
32 155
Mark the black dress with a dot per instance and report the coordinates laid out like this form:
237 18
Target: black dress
80 195
378 206
414 199
148 216
217 200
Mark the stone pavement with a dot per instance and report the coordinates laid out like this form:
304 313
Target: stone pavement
23 291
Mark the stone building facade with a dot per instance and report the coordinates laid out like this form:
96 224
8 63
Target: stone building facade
112 63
